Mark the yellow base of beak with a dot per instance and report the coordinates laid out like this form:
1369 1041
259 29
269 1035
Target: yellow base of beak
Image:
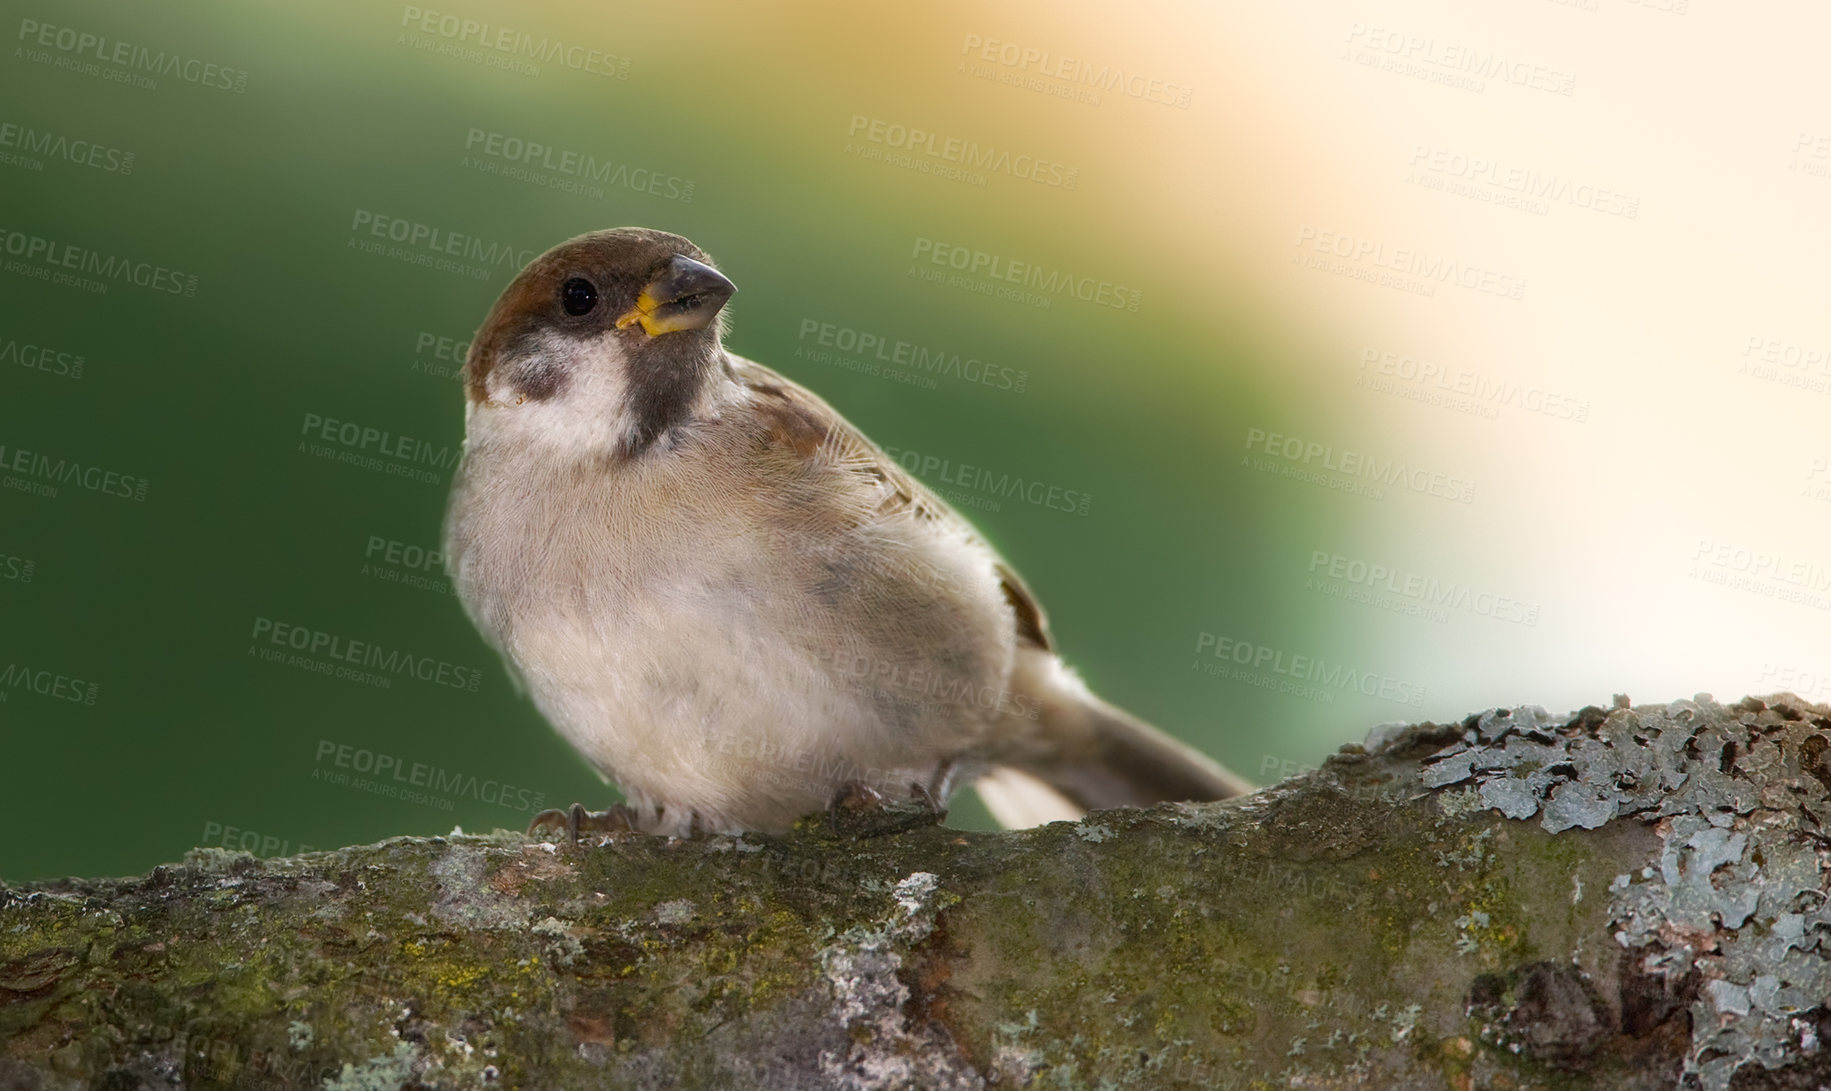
643 312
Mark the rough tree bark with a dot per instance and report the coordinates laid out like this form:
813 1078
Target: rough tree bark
1632 897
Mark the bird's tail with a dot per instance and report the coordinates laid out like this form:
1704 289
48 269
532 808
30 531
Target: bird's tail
1080 754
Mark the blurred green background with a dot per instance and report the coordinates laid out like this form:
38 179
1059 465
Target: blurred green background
344 118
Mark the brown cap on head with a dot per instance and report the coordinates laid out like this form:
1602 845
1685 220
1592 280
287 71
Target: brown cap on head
642 284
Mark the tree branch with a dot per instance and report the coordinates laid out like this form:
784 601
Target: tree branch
1626 898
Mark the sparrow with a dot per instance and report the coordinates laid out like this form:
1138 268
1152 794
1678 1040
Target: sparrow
731 603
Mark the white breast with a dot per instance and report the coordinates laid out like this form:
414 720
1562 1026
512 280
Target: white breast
710 665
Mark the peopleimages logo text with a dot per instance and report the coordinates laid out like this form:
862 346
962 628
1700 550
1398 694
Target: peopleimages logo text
110 267
515 43
369 439
130 55
418 774
1305 668
45 472
1359 464
1057 282
309 641
439 240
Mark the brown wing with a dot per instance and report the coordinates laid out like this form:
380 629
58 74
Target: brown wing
1032 626
799 421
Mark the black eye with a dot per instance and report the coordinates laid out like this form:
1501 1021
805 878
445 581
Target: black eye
578 296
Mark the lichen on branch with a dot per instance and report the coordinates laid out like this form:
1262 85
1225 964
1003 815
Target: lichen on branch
1629 897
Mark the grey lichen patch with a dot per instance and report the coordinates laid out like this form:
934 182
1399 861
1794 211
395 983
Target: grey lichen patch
1469 926
888 1049
1013 1050
218 860
385 1073
466 897
566 947
676 911
1093 832
1736 909
1458 804
1475 851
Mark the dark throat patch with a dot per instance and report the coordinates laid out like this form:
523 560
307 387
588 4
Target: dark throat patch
666 376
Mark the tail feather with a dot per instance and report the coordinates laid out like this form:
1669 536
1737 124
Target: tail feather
1093 755
1018 800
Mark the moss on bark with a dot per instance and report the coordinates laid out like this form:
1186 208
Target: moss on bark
1653 911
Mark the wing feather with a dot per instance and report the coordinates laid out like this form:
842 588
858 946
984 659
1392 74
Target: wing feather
799 422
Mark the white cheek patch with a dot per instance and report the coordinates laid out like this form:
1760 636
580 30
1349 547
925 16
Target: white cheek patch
586 414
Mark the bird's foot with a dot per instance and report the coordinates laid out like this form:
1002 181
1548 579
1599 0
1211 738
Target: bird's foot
574 820
859 811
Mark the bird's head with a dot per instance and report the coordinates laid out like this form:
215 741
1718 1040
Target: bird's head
605 341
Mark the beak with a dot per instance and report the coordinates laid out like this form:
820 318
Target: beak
685 295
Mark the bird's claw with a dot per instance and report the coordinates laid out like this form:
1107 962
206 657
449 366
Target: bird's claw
858 810
574 820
